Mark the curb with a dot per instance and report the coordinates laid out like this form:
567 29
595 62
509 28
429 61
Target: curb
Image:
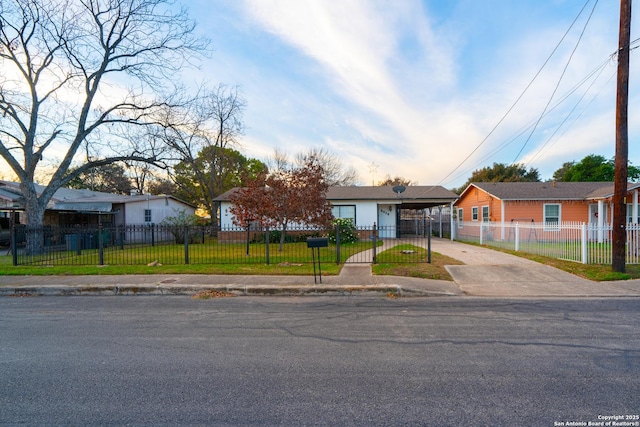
237 290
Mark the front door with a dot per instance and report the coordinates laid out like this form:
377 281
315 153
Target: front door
387 221
596 233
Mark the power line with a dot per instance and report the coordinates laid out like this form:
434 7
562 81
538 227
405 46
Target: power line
590 76
520 96
557 84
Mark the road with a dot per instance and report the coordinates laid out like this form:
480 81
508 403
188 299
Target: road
149 360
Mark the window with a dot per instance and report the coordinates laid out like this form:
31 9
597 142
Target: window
630 219
474 213
346 211
460 217
147 215
485 214
551 215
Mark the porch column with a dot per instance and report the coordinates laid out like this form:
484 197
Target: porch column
452 222
502 220
634 209
601 214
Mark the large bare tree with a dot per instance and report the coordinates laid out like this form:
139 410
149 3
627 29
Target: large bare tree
75 74
201 136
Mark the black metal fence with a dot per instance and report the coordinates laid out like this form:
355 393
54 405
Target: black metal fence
173 245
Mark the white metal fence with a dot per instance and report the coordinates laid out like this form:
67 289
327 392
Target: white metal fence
574 241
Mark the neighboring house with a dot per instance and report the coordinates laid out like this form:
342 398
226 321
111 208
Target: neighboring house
368 205
82 207
543 202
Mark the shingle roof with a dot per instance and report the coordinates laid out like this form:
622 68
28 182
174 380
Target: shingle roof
433 193
386 192
67 195
549 190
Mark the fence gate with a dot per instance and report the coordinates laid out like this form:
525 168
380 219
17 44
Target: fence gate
372 248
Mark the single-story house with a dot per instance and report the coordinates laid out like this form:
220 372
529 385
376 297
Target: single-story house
369 205
543 202
82 207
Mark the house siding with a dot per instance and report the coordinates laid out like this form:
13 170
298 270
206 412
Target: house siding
528 210
533 210
478 198
161 208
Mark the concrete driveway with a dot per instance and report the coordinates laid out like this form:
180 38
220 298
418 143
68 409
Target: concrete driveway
497 274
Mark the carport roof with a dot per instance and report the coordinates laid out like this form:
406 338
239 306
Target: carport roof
414 197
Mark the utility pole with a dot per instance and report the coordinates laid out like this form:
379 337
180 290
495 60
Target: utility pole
622 142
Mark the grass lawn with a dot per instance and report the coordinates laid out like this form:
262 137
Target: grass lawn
387 265
285 268
419 268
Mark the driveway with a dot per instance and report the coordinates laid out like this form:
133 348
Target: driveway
493 273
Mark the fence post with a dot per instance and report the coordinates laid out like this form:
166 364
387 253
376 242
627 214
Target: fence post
266 242
153 234
186 244
337 243
517 234
100 245
429 242
247 243
14 245
583 239
120 234
375 242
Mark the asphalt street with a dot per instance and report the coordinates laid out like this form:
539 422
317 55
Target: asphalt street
317 361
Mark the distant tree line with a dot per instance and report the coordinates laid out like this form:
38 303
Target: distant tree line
592 168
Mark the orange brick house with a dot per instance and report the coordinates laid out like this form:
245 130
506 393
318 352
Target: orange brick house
542 202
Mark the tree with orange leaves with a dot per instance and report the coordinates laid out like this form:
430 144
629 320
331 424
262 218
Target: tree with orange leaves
292 195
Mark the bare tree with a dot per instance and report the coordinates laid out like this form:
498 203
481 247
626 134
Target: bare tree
279 161
75 74
212 123
140 173
335 172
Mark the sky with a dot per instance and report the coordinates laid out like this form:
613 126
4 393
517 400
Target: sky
427 90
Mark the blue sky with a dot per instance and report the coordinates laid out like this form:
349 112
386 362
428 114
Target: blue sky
416 87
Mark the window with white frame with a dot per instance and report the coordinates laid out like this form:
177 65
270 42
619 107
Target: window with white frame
474 213
345 211
552 214
147 215
460 217
630 219
485 214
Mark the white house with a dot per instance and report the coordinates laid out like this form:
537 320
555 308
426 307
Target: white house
369 205
79 207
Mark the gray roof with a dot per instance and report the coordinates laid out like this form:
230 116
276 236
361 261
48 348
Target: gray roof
66 197
416 197
411 193
549 190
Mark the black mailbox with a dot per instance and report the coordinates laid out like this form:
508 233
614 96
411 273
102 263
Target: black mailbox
317 242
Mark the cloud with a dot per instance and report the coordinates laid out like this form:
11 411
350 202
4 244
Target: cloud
363 48
415 87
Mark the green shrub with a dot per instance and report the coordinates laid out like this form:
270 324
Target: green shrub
176 225
348 230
